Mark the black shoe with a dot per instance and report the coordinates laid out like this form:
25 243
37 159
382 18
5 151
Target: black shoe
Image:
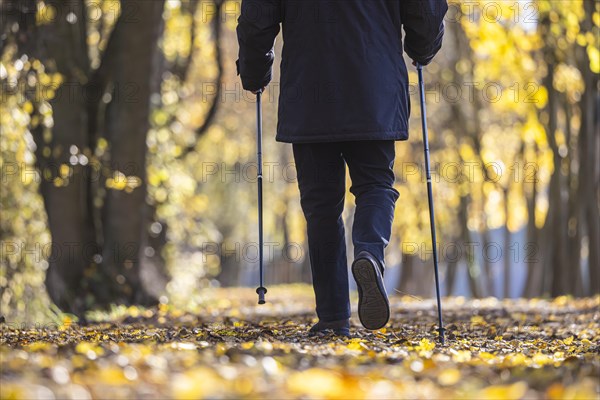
339 328
373 304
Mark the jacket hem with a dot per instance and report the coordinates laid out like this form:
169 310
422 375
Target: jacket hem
344 137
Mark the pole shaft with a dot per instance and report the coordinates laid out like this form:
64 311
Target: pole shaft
260 181
430 199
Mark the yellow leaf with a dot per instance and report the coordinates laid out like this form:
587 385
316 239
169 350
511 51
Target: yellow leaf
66 323
425 345
316 382
555 392
28 107
461 356
594 56
449 377
540 98
91 350
486 356
356 345
198 383
112 375
542 359
220 349
37 346
501 392
516 359
65 170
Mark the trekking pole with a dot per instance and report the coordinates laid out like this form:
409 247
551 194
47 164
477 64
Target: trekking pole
441 329
260 290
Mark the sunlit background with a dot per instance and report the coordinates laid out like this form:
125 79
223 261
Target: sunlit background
98 208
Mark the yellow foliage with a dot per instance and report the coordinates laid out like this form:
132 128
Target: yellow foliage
449 377
317 382
594 55
568 341
504 392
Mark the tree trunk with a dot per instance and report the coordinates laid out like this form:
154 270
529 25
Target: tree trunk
128 115
64 186
555 237
588 194
506 253
534 265
472 266
405 285
109 256
465 120
556 221
451 276
488 277
573 224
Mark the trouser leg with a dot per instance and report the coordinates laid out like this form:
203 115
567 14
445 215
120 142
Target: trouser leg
371 170
321 180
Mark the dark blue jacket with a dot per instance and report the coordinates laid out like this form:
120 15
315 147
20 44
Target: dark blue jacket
343 76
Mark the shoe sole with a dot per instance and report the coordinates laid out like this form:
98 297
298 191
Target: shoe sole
373 304
329 331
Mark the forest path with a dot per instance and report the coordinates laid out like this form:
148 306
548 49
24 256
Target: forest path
230 348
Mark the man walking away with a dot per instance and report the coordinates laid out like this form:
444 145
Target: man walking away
343 101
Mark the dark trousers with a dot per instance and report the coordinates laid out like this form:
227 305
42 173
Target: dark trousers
321 169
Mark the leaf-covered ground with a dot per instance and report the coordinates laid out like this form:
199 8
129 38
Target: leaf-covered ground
228 347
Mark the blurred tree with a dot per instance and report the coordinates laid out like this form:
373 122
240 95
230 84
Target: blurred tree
91 150
573 133
130 69
515 89
107 255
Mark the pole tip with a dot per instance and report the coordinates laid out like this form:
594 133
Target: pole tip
261 294
442 332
